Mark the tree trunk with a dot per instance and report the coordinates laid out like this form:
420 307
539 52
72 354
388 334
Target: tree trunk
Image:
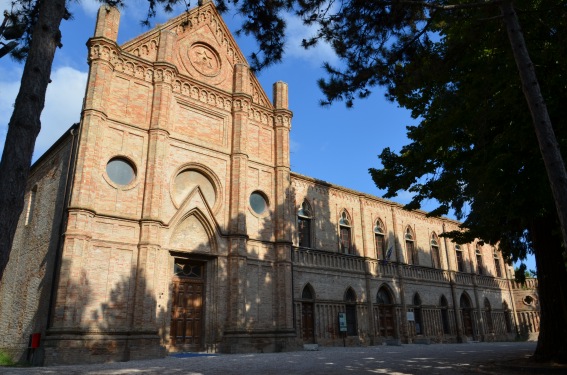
547 141
25 123
552 290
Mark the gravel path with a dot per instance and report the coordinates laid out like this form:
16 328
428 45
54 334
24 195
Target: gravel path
394 360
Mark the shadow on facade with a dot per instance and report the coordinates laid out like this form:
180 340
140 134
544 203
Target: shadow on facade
96 321
26 288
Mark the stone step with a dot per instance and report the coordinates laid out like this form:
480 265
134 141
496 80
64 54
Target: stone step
311 347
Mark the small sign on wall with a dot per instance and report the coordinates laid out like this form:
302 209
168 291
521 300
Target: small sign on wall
410 316
342 322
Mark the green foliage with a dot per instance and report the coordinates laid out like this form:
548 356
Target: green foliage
5 359
474 149
23 16
521 273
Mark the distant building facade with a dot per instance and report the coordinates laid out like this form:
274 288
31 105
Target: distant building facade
169 220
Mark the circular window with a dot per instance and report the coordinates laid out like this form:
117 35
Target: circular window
258 203
528 300
120 171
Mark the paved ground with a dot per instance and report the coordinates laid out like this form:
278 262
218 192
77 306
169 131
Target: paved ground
393 360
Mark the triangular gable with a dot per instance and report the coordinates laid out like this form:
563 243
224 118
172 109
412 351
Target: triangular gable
205 50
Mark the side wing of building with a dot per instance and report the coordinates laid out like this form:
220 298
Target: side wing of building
26 290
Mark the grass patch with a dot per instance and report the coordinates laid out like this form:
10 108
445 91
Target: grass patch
5 359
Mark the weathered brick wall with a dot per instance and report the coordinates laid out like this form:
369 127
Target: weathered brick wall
330 273
26 284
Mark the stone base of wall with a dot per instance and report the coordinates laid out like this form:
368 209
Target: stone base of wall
260 342
81 347
346 341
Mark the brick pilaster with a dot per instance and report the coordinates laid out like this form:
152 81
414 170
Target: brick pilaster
237 260
283 209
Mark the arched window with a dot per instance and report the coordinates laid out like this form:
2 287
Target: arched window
345 234
380 240
417 315
435 253
304 216
478 252
410 247
383 297
445 315
308 292
385 312
350 307
460 258
31 205
488 311
497 264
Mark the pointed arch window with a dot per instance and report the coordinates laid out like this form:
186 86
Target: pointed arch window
459 253
304 217
383 297
497 264
478 253
308 292
410 247
435 253
380 240
31 205
345 241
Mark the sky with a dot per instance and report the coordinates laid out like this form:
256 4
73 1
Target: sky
334 144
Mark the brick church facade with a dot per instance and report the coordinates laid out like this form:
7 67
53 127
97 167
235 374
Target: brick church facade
169 220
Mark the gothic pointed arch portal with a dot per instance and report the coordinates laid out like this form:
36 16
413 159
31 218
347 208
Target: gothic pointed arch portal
308 315
467 315
193 246
386 322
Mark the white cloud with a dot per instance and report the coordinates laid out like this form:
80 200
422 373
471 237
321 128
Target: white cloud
296 32
294 145
90 6
63 103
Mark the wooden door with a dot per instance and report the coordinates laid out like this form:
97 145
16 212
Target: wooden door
467 322
187 314
308 323
386 320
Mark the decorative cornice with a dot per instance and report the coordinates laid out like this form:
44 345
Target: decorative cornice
261 115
